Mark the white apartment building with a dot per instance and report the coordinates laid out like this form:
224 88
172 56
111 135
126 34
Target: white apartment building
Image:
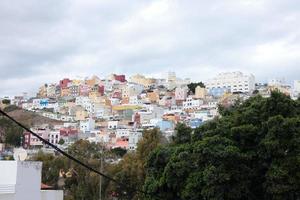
132 89
87 125
135 100
192 104
21 180
276 82
122 133
233 82
112 124
54 137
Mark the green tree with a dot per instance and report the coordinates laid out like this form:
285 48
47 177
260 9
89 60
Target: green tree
6 101
61 141
10 133
183 134
251 152
131 170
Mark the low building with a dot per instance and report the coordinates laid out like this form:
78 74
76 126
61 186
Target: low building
21 180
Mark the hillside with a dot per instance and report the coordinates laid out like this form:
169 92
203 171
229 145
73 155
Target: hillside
31 119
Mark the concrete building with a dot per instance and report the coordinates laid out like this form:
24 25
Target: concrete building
233 82
87 125
181 93
21 180
54 137
192 104
200 93
277 82
142 80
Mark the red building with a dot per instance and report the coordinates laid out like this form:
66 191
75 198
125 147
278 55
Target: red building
120 78
64 83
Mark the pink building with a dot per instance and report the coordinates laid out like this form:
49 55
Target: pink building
84 90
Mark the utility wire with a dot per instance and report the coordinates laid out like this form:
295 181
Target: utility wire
127 188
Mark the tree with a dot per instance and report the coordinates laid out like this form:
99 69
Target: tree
250 152
61 141
183 134
131 170
120 152
6 101
10 133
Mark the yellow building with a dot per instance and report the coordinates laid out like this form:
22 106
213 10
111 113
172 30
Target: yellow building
153 96
77 82
81 115
142 80
93 81
42 91
65 92
200 92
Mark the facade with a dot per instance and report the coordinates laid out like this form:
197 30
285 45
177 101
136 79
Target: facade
74 90
181 93
15 177
142 80
87 125
54 137
233 82
276 82
64 83
200 93
192 104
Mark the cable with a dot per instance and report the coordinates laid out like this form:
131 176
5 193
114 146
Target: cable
73 158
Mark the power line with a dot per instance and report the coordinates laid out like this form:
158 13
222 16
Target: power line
127 188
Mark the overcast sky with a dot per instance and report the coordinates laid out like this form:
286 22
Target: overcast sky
45 40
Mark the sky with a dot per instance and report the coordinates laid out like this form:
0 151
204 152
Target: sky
45 41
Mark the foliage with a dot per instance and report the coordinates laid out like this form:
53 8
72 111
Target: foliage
61 141
192 86
251 152
10 133
120 152
80 183
183 134
6 101
130 171
11 108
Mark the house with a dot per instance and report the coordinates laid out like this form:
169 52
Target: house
21 180
181 93
87 125
54 137
192 104
113 124
31 141
133 139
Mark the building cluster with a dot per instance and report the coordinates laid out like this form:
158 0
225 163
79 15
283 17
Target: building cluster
115 110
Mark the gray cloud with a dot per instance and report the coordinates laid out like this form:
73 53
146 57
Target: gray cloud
43 41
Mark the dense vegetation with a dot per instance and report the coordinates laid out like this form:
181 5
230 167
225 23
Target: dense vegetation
251 152
10 133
